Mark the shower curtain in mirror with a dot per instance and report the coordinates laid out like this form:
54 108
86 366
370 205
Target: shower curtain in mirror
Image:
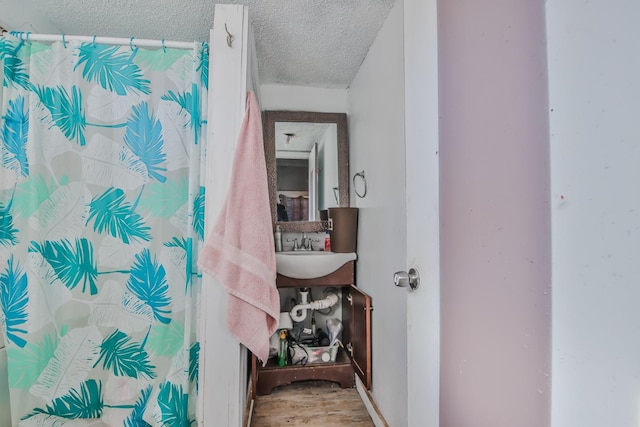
101 218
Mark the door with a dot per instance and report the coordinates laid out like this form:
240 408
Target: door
313 183
356 318
421 144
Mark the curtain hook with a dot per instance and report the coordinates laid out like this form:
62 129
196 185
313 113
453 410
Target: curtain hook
64 42
94 40
28 34
164 48
18 35
131 43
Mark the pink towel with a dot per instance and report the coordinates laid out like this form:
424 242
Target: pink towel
239 252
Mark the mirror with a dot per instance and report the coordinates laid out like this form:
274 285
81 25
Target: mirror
307 157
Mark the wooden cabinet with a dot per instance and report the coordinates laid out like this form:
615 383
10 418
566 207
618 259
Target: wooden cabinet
355 358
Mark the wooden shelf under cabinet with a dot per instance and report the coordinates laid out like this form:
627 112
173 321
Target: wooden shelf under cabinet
272 375
354 358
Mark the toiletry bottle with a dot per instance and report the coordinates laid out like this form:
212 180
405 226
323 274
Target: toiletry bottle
277 236
282 352
327 242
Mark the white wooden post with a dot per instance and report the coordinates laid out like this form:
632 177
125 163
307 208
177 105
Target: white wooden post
223 371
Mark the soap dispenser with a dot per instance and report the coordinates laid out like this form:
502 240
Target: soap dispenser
277 236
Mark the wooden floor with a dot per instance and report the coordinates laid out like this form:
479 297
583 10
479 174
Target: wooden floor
311 403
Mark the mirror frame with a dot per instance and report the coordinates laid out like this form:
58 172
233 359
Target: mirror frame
269 124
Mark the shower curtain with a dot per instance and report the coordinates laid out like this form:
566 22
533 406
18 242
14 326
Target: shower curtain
101 219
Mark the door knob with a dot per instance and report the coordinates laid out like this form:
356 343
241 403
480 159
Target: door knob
402 279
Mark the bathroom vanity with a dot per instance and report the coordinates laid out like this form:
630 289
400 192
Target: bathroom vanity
354 358
326 179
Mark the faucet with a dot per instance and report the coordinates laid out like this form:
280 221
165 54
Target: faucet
304 245
307 243
296 247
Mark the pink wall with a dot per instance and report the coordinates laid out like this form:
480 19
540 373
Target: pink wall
495 219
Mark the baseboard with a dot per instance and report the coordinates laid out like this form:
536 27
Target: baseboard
370 404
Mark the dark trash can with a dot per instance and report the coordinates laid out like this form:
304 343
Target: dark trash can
345 229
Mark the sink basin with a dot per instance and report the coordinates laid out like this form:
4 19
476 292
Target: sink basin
310 264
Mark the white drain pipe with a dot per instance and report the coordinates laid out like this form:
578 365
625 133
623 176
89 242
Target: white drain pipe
299 312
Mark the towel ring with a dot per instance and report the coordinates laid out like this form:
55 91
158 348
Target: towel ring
364 183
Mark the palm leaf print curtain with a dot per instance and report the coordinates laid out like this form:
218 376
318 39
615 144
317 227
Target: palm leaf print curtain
101 218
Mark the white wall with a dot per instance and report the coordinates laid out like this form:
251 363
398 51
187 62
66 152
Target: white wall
303 98
594 87
376 135
20 16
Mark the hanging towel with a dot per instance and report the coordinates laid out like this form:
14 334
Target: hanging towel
239 252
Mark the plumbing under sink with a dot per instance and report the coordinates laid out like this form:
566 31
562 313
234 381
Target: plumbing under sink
310 264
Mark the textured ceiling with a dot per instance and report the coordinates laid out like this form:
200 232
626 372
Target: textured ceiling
301 42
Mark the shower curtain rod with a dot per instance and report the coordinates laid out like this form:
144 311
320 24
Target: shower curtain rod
106 40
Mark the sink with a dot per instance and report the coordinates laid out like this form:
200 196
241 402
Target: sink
310 264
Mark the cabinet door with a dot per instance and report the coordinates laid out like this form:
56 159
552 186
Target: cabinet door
356 317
